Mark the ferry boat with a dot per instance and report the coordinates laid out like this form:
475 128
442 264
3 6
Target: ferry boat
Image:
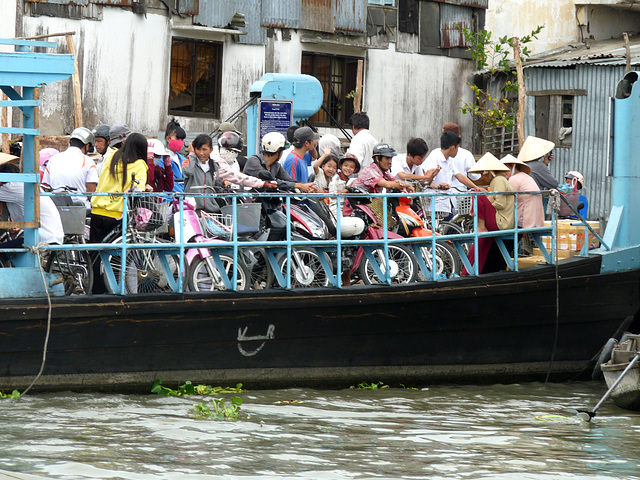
548 320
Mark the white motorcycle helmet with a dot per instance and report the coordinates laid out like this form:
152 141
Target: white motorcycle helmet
272 142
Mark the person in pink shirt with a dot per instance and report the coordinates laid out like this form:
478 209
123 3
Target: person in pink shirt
377 175
530 209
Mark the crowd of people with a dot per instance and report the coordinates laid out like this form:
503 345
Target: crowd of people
303 160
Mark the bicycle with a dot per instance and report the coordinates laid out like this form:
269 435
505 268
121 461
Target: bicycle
146 270
74 266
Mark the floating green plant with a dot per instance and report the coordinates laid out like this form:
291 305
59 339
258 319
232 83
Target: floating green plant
288 402
14 394
189 388
218 410
369 386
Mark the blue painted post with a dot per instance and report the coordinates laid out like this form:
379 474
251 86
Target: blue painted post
626 163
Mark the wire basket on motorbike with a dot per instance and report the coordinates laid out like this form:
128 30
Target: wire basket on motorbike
216 225
147 212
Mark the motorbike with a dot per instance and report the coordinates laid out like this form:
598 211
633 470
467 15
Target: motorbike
369 262
269 265
208 270
409 224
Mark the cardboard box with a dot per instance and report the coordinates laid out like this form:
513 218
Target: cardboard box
570 237
561 253
524 262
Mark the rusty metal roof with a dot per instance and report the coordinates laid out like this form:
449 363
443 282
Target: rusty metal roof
467 3
603 52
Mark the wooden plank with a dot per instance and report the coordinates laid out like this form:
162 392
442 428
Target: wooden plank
18 103
627 49
357 107
77 93
20 131
49 35
4 122
555 119
19 224
28 43
542 116
521 91
571 91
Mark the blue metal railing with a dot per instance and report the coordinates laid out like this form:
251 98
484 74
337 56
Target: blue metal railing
234 246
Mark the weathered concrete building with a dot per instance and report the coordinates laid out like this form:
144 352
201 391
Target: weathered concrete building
565 21
142 62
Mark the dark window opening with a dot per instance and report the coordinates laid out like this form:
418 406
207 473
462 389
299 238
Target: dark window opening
196 78
554 118
337 75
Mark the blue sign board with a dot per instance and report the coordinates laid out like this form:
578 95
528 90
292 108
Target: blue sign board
273 116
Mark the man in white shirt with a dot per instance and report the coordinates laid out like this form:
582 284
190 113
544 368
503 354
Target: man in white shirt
464 160
362 142
409 166
72 168
12 193
444 157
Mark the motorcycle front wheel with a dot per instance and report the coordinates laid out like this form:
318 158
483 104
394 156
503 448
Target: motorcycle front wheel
309 273
203 276
402 266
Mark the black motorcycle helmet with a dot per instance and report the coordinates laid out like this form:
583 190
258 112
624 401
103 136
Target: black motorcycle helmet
230 141
384 150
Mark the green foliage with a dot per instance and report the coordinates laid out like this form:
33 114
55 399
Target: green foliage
190 389
218 410
14 394
369 386
494 56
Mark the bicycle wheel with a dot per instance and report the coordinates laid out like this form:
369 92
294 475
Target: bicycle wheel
447 261
75 268
309 273
453 228
144 270
261 276
203 276
402 266
449 228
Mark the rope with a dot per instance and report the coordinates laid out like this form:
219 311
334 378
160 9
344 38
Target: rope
36 251
554 203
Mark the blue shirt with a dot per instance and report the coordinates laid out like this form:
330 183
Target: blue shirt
178 184
298 168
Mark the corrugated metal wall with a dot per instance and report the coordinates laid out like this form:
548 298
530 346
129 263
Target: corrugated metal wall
318 15
189 7
281 13
351 16
452 19
589 150
219 14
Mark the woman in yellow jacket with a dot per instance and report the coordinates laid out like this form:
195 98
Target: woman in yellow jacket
495 212
116 177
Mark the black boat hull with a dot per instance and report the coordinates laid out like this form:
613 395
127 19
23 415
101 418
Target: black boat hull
495 328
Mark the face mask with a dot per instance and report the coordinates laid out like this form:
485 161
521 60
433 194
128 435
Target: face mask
158 161
228 156
176 145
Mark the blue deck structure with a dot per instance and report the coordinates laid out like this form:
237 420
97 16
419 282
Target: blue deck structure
27 70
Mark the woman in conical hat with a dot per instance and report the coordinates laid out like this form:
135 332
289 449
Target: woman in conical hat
533 152
495 212
530 209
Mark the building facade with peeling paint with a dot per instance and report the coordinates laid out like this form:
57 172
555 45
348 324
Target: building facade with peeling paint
142 62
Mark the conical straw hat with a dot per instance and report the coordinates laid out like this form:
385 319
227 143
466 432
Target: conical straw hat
488 163
5 157
510 160
534 148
